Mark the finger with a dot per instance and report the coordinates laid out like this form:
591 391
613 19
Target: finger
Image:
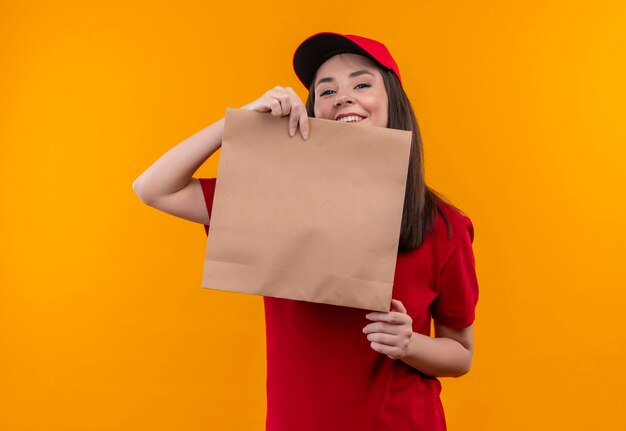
303 119
383 328
397 305
285 99
373 327
286 103
376 316
276 108
262 104
295 99
392 352
274 102
263 108
386 339
294 117
392 317
304 124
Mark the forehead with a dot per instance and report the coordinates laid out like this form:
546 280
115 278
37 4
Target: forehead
345 63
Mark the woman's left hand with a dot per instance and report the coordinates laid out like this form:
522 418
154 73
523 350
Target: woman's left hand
390 333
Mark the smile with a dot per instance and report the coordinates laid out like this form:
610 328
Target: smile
350 119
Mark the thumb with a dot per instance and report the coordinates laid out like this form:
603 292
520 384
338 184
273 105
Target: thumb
257 105
398 306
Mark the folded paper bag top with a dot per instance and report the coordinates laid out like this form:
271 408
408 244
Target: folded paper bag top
315 220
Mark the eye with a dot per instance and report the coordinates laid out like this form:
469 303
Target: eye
326 92
363 85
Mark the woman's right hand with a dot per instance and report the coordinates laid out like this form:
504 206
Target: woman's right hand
283 101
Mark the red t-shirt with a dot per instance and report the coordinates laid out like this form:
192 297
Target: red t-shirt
321 371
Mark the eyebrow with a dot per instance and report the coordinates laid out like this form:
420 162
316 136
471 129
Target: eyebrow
352 75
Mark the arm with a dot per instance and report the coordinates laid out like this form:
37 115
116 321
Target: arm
168 185
448 354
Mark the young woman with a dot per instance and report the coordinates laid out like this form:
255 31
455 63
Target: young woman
339 368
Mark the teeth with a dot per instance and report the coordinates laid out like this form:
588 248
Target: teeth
350 118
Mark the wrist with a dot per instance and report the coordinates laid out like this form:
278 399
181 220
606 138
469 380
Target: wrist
407 351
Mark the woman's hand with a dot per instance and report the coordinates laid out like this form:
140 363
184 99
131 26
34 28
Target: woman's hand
283 101
390 333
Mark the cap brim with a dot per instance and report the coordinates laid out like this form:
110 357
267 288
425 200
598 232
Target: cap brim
314 51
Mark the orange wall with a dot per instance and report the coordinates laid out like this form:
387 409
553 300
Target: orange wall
103 324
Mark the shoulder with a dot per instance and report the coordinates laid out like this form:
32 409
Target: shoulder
461 225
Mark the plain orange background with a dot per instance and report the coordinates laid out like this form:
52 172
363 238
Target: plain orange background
103 323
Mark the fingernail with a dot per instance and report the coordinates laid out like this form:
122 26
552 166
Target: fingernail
305 135
292 132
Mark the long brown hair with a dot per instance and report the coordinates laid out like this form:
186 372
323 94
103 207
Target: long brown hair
420 201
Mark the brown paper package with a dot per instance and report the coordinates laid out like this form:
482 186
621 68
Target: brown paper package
314 220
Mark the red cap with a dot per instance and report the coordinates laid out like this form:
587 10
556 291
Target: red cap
318 48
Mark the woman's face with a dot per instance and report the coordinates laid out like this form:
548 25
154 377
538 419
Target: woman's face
350 88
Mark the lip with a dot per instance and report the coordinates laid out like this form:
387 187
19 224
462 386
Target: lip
348 114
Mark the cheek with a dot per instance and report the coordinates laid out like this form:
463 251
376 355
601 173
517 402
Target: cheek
316 109
379 104
320 110
382 110
385 110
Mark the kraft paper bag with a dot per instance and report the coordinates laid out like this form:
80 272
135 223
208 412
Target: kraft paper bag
315 220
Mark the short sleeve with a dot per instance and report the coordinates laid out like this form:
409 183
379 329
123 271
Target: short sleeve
458 285
208 190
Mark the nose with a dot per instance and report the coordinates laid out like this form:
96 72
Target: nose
342 99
